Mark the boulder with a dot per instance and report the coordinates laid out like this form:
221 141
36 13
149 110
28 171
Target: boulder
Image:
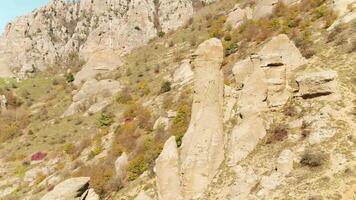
69 189
263 8
317 84
183 74
167 172
121 164
90 195
102 62
93 96
244 138
281 46
237 16
202 146
285 161
143 196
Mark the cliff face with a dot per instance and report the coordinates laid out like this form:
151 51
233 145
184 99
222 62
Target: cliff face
61 28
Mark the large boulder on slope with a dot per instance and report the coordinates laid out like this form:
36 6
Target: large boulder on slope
93 96
69 189
203 147
317 84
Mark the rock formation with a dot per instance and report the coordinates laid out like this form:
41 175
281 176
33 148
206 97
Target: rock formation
62 28
121 164
244 138
93 96
167 172
202 146
317 84
183 74
100 63
68 189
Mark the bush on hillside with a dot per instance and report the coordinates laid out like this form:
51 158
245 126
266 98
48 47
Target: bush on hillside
165 87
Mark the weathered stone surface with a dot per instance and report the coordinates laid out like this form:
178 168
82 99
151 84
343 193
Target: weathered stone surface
282 46
230 100
202 146
254 93
90 195
143 196
100 63
184 73
242 70
161 122
173 14
93 96
285 161
246 179
68 189
237 16
284 167
167 172
3 103
244 138
263 8
121 164
317 84
64 28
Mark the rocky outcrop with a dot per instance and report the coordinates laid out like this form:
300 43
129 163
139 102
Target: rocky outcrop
202 147
173 14
90 195
62 28
183 74
317 84
121 165
253 95
69 189
244 138
263 77
282 46
245 180
100 63
143 196
167 172
237 16
93 96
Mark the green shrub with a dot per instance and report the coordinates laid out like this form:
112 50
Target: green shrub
70 77
181 123
313 159
136 167
124 96
166 87
105 120
161 34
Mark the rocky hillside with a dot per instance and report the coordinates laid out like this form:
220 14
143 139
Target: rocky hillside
179 100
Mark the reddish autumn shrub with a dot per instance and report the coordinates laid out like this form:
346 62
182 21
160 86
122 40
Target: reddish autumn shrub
38 156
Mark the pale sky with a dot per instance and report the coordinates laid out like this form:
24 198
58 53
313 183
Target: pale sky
10 9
